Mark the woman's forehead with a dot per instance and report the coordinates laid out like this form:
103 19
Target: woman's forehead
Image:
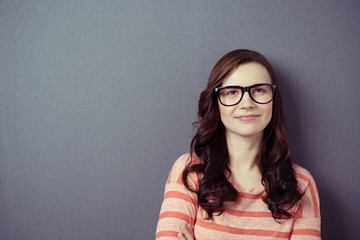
248 74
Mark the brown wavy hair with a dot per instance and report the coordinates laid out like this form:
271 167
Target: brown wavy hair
210 146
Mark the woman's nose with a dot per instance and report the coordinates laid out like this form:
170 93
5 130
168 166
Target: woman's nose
246 101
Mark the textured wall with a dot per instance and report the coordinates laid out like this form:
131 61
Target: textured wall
97 100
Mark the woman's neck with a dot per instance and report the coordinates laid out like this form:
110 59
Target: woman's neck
243 152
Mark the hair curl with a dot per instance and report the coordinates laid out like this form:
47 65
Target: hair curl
209 145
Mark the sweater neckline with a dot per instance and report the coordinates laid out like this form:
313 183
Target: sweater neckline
255 190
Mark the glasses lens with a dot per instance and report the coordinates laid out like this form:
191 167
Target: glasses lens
230 96
262 93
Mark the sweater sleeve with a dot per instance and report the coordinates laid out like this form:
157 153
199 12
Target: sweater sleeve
307 217
179 205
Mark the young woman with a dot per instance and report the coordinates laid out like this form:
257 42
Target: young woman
238 182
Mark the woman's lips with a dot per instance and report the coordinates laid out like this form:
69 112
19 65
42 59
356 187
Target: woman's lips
247 118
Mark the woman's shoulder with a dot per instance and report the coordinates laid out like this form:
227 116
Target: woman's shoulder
303 176
180 164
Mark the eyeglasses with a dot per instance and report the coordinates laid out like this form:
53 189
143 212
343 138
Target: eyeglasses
260 93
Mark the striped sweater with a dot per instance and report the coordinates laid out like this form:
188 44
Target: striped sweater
246 218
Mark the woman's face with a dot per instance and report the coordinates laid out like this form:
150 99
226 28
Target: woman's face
247 118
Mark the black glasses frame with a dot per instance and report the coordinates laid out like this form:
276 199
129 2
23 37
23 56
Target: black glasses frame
246 89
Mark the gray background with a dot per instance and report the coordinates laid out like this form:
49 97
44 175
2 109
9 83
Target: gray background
97 100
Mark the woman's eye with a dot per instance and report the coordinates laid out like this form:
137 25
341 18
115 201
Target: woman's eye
231 92
259 90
